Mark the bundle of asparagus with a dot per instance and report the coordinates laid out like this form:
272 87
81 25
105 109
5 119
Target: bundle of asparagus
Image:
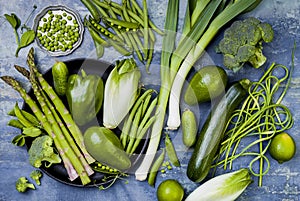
55 120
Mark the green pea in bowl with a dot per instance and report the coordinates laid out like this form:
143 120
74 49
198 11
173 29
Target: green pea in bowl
59 30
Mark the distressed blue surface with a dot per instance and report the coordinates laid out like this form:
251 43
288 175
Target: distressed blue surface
282 181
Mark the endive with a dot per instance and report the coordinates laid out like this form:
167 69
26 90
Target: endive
120 92
225 187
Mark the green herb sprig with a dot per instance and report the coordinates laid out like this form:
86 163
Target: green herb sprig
27 37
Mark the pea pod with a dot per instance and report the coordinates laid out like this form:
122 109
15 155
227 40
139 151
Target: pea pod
155 167
171 152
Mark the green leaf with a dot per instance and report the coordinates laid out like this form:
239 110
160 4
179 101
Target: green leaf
14 21
26 39
32 132
19 140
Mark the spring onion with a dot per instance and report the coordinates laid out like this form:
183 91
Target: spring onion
167 75
229 13
120 92
225 187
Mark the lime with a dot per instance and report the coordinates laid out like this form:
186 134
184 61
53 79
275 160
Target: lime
170 190
206 84
282 147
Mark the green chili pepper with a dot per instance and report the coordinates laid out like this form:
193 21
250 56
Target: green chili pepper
85 96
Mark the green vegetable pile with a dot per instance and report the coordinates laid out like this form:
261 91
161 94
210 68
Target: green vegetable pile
126 27
247 120
58 31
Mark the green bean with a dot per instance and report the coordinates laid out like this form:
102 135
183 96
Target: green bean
92 9
148 112
146 104
132 36
101 4
151 24
119 48
129 119
122 23
146 27
141 133
134 128
171 152
150 56
155 168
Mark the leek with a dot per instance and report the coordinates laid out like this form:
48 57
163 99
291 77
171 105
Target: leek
120 92
225 187
167 76
229 13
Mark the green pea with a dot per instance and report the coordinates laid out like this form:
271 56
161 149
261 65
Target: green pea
64 14
69 17
52 49
49 12
48 48
44 19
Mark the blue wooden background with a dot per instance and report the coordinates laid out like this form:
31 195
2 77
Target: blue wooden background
282 181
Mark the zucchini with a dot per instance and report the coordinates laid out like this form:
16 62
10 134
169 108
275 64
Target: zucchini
213 129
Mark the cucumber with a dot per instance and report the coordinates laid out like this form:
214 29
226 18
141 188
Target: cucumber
60 75
189 128
213 129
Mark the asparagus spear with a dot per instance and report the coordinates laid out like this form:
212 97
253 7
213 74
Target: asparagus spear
63 111
42 118
62 126
61 138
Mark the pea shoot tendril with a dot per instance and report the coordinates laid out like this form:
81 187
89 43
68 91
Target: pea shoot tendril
261 116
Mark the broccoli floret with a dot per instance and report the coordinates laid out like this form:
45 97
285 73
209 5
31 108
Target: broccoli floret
36 176
41 150
22 185
243 42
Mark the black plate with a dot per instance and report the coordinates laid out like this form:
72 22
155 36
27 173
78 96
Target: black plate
57 171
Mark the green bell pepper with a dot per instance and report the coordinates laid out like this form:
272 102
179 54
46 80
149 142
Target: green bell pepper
85 96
